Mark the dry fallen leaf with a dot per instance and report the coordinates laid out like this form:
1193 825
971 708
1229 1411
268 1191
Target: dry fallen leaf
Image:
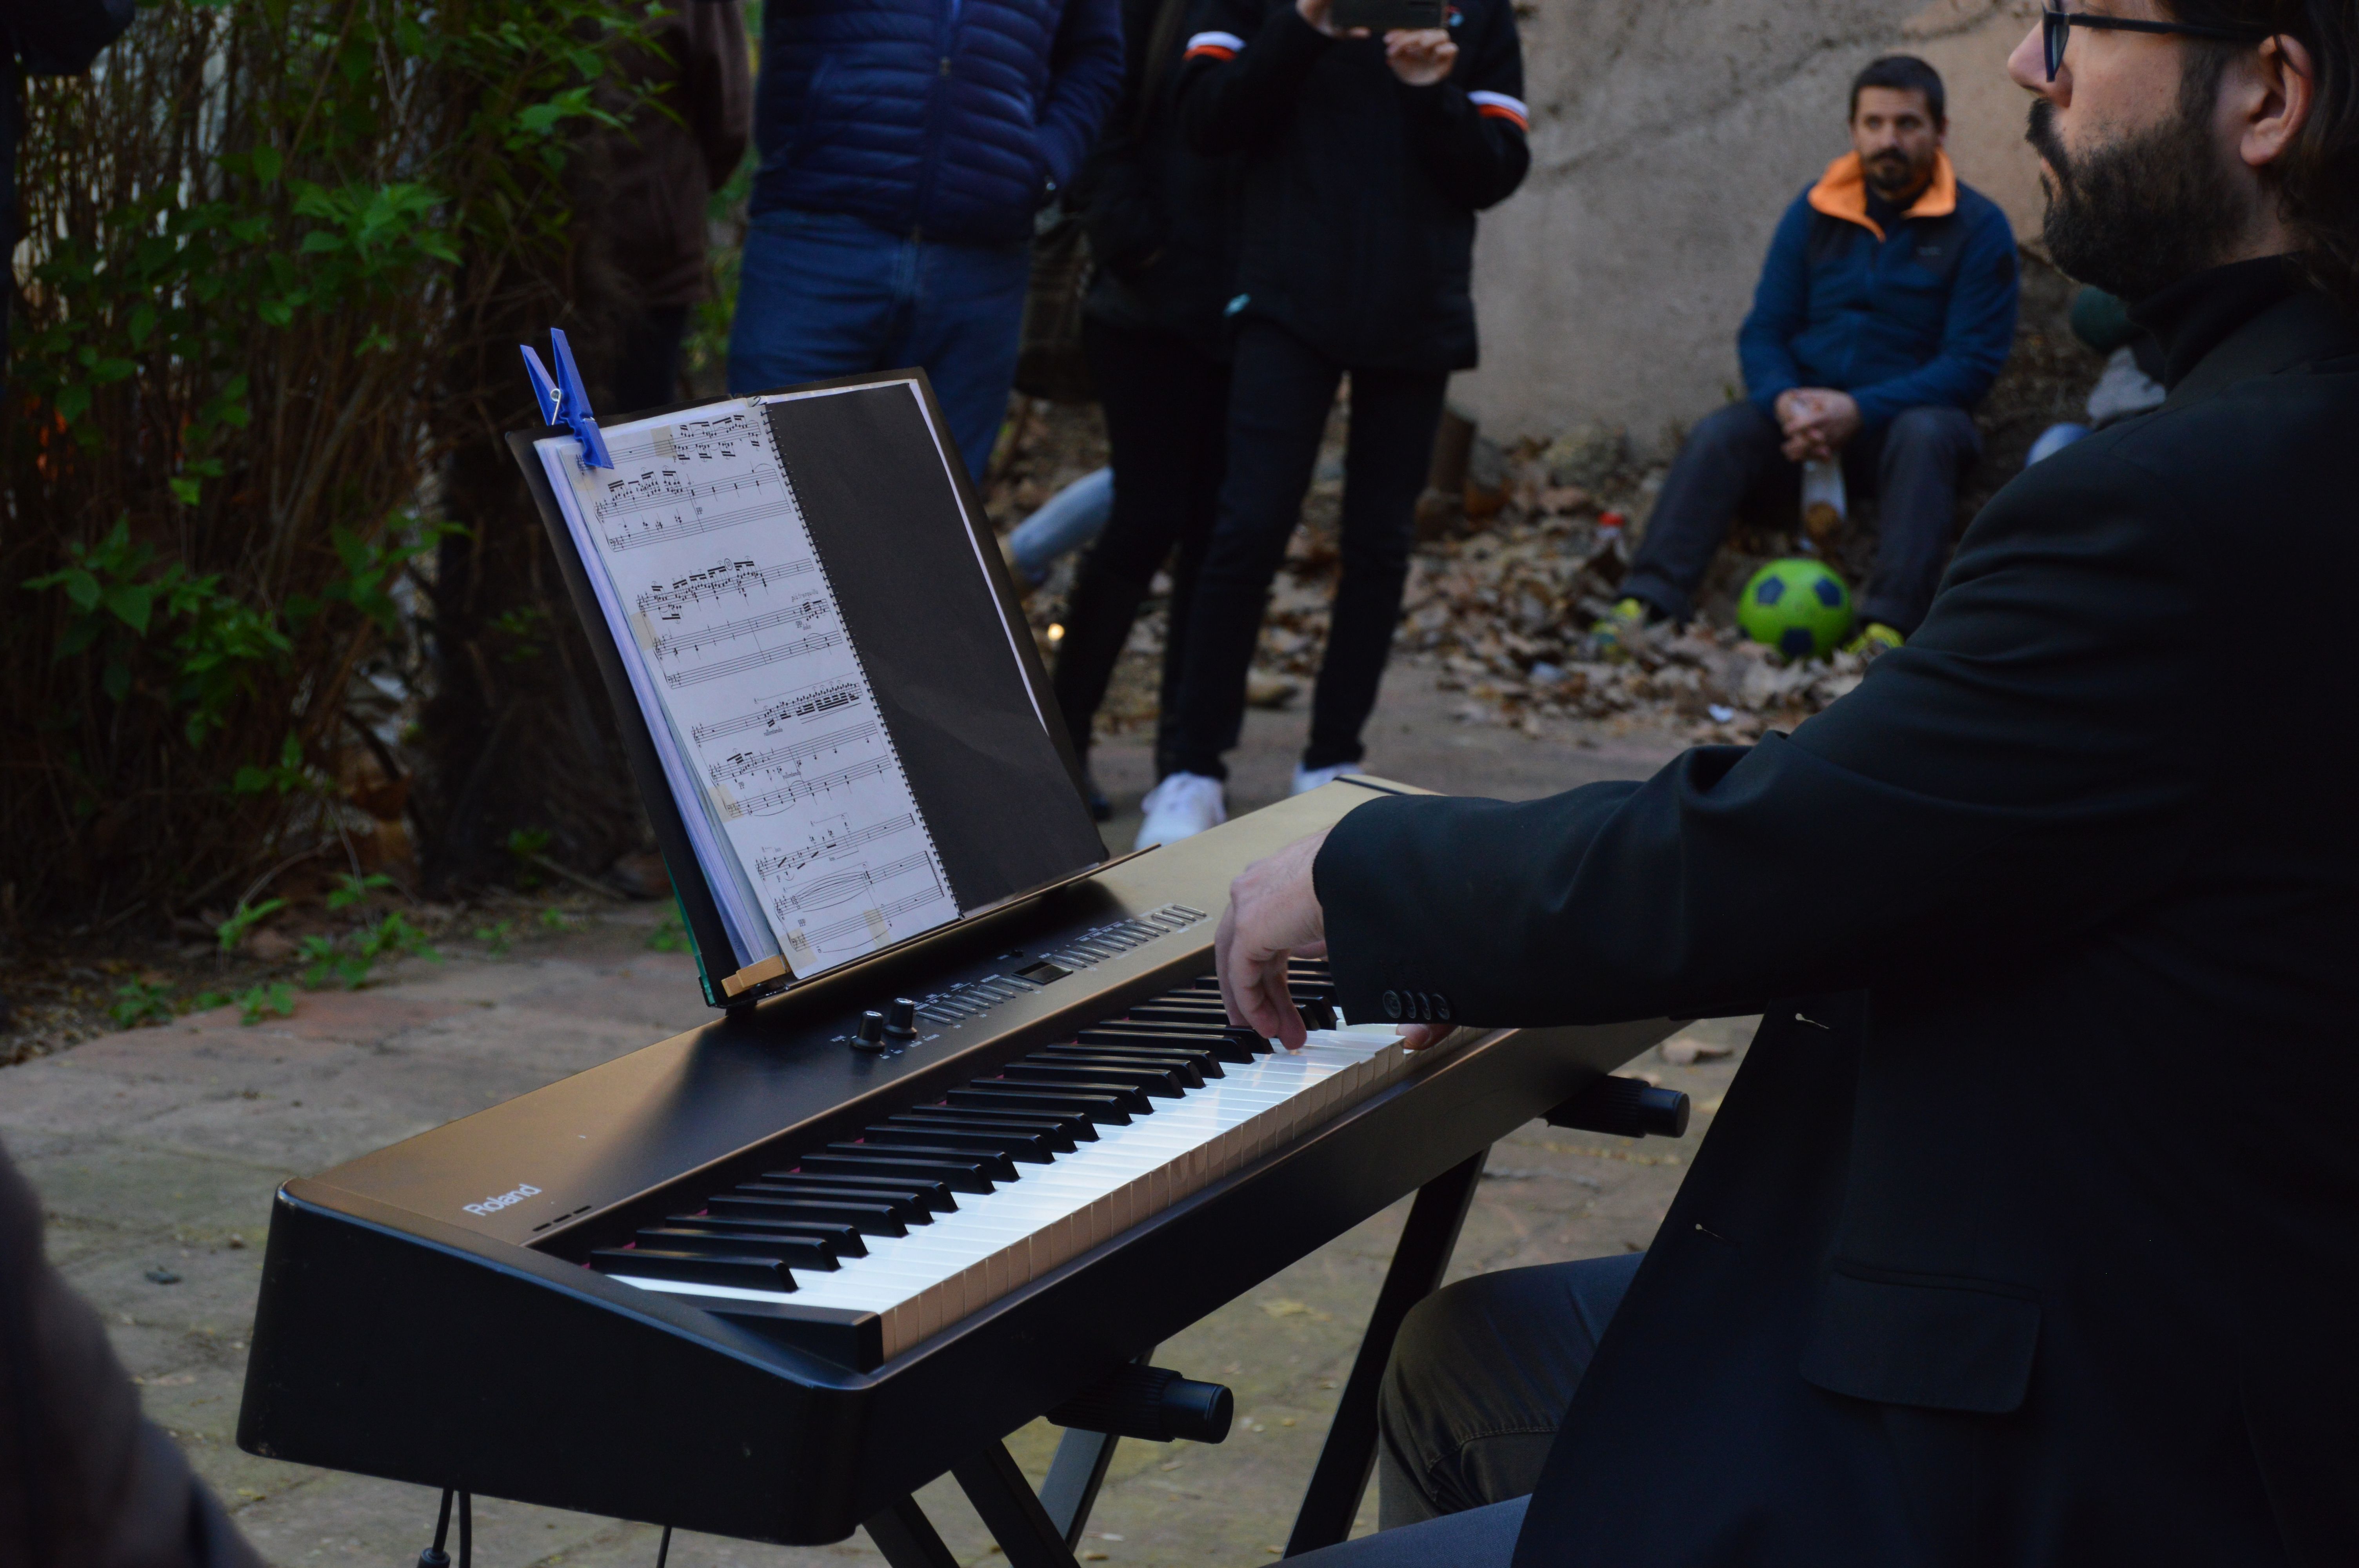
1686 1051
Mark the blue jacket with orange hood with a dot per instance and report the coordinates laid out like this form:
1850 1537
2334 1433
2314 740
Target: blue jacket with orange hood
1919 310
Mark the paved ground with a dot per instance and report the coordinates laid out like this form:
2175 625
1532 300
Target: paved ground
157 1152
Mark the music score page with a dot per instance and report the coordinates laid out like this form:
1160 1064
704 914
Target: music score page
813 841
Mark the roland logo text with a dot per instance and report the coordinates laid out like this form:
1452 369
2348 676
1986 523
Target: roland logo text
494 1206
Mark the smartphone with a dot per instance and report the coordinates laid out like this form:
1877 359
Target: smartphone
1382 17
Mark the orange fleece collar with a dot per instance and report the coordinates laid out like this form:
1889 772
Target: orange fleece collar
1842 192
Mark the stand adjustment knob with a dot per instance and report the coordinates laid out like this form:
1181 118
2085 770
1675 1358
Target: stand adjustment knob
1628 1108
901 1018
1152 1403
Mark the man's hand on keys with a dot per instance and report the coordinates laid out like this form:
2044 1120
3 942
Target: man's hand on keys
1274 915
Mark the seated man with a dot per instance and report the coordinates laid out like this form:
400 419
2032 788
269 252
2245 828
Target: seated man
1885 311
2027 1233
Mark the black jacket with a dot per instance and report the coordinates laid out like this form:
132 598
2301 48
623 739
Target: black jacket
1357 229
2029 1233
1161 217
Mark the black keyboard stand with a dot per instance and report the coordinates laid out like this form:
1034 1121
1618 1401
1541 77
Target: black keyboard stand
1042 1531
1418 1262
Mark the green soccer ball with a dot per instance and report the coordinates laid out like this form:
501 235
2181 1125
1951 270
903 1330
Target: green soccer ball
1797 606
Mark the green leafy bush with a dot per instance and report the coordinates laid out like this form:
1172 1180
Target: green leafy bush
270 249
232 933
142 1001
273 996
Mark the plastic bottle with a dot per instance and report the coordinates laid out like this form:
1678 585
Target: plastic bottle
1822 500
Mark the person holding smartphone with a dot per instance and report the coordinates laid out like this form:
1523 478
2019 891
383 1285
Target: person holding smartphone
1365 157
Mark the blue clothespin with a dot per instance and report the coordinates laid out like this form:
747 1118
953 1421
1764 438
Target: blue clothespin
564 401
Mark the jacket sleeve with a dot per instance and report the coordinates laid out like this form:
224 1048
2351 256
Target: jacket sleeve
2009 781
1468 129
717 85
1977 332
1244 63
1084 75
108 1485
61 38
1782 307
1114 190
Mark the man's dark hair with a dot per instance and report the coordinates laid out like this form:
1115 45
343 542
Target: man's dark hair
1908 74
2317 182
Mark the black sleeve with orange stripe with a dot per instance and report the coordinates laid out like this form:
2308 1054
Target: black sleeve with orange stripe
1468 129
1246 60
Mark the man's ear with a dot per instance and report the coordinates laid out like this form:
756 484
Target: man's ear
2270 94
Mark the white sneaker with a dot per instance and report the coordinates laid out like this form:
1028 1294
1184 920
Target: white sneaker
1308 779
1181 806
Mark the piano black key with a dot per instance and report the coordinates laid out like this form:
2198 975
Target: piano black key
910 1207
795 1251
746 1272
1205 1053
1033 1148
872 1218
1192 1066
1130 1097
1178 1072
1099 1108
934 1196
1049 1070
961 1176
1231 1043
1156 1012
1058 1133
998 1167
844 1239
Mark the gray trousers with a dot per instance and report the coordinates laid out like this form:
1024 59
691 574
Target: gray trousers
1480 1381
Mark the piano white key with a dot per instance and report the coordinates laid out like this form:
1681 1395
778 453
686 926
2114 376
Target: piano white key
997 1241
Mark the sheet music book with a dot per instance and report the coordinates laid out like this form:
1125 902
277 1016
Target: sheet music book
840 704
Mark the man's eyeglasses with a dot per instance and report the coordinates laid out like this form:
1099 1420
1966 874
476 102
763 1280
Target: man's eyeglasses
2056 31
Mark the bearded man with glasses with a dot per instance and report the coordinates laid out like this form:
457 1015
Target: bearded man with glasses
2028 1232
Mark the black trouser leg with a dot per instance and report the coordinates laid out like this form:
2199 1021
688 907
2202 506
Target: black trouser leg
1393 417
646 371
1730 453
1280 392
1480 1381
1166 412
1925 454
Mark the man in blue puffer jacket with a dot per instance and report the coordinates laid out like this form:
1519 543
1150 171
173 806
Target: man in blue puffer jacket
905 147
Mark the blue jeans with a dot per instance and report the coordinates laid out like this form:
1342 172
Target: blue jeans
820 295
1068 521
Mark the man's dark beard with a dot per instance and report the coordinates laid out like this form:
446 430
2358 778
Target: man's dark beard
1892 175
2145 211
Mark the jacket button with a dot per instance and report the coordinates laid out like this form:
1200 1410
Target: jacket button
1392 1004
1441 1007
1420 1007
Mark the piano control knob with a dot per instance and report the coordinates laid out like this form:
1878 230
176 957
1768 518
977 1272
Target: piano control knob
871 1034
901 1018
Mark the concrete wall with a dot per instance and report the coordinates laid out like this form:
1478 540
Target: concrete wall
1667 136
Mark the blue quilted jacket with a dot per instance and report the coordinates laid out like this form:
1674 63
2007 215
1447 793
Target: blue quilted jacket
946 120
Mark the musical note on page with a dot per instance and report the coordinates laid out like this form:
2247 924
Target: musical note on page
729 604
